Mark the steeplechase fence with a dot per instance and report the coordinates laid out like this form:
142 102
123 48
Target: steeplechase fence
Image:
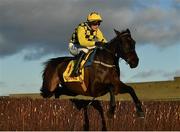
56 114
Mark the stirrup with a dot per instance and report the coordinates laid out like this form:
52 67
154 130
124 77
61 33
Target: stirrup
74 74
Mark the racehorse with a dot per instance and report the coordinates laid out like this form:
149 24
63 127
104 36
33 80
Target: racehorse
101 77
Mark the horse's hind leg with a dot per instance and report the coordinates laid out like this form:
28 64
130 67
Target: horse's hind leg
58 92
97 105
63 90
128 89
50 84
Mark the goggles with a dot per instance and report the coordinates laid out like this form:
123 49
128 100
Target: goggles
94 23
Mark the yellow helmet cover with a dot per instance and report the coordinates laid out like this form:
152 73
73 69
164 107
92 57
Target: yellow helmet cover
94 16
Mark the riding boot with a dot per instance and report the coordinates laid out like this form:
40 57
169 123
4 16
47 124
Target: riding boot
80 57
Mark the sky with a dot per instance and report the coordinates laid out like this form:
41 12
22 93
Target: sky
33 31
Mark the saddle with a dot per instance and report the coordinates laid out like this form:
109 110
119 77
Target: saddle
84 63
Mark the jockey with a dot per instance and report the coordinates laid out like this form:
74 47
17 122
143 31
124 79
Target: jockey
86 36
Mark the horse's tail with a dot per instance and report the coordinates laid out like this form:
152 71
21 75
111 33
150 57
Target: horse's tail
50 76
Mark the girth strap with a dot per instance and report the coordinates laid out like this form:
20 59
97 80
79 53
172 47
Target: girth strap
104 64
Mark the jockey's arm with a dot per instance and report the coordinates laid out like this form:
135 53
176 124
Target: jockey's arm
82 39
100 36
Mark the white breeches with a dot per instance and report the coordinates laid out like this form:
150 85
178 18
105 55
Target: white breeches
75 49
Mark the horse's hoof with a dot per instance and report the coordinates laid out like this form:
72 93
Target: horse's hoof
140 114
104 128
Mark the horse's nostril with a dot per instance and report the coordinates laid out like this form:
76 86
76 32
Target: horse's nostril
134 63
137 61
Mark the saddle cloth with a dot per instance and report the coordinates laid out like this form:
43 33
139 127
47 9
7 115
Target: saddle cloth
80 77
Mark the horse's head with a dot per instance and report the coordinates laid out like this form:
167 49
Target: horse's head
126 48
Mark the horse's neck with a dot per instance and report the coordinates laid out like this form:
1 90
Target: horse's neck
112 45
108 55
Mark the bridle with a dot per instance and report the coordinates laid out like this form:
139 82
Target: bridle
123 52
119 39
119 48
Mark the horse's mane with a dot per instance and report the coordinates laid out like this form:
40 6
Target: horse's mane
55 61
50 68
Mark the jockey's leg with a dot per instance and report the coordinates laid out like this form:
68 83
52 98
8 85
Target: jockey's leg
80 57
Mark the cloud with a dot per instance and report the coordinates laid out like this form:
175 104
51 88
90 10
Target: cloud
158 27
171 74
42 27
147 74
153 73
2 84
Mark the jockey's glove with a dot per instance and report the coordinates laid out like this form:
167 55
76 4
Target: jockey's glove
99 44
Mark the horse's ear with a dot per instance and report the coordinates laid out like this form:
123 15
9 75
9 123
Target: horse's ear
117 32
128 30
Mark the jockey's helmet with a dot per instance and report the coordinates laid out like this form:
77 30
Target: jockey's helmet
94 16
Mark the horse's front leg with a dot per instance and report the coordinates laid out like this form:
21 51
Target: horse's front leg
128 89
112 104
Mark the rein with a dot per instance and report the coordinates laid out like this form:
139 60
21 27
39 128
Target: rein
109 51
115 55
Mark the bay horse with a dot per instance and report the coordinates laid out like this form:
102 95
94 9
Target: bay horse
101 77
